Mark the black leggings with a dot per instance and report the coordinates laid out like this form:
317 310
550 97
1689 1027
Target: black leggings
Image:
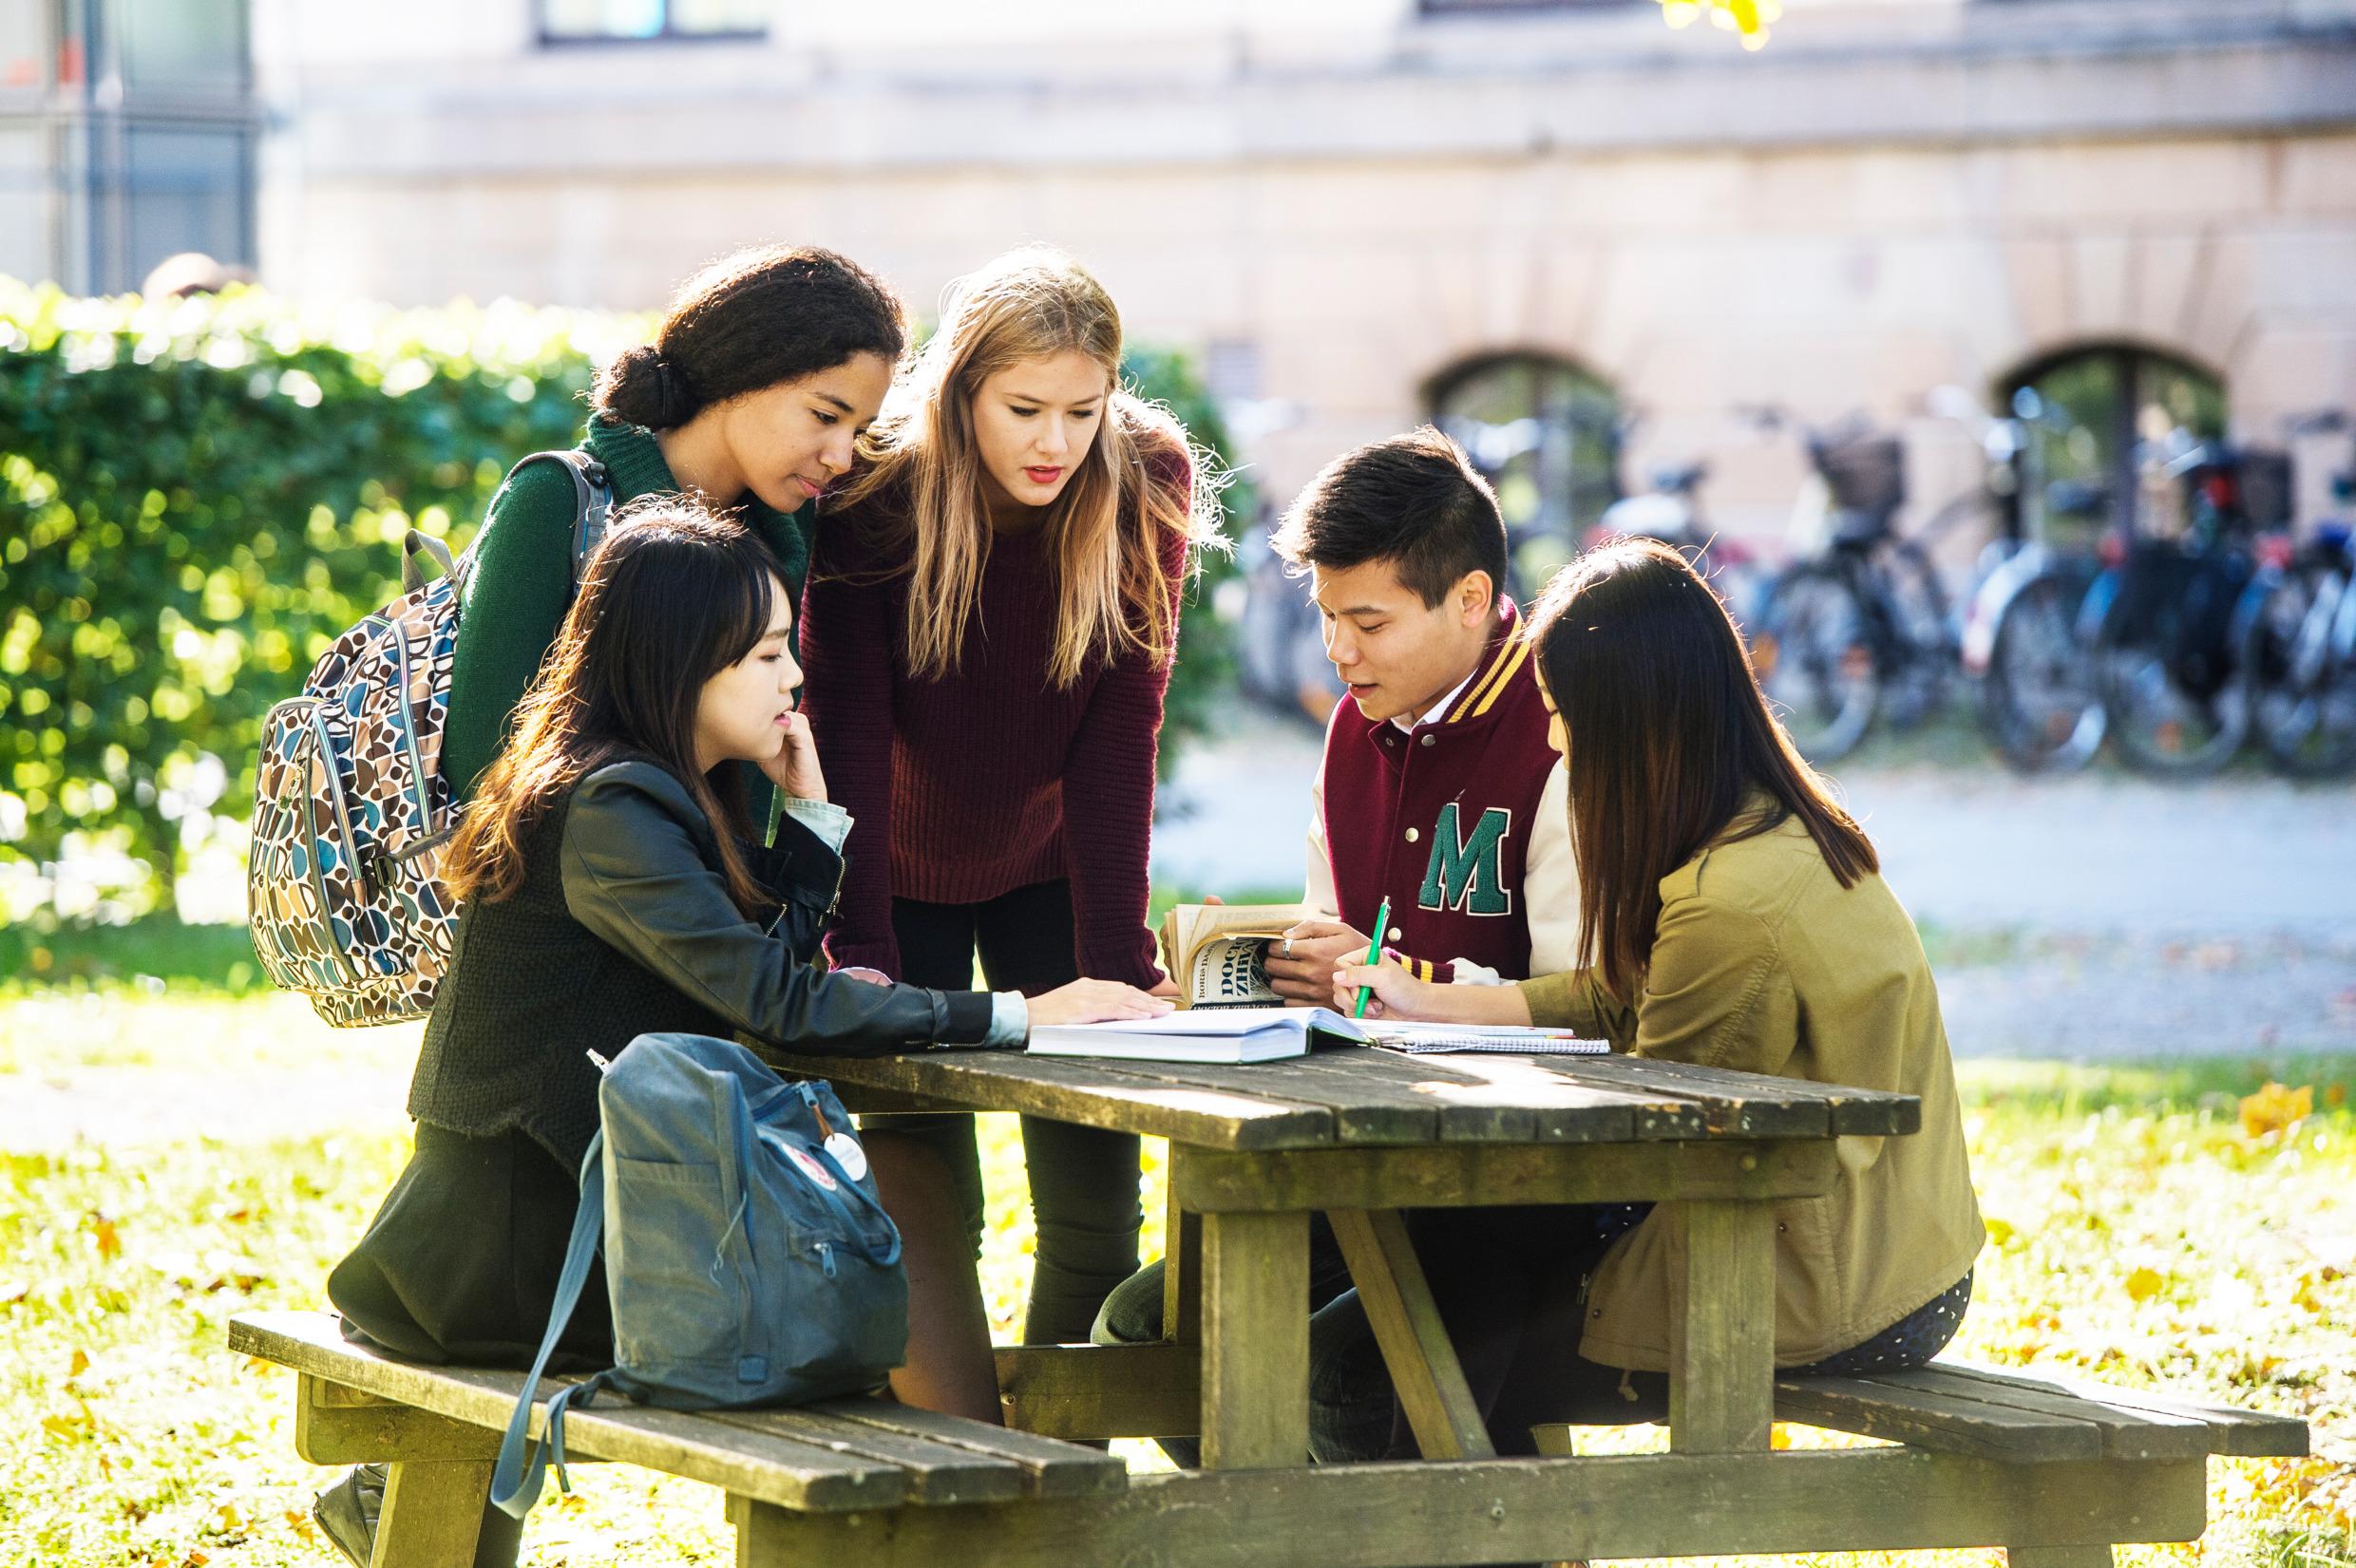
1083 1179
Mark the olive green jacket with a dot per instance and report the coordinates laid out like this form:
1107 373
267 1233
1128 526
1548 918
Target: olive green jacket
1762 962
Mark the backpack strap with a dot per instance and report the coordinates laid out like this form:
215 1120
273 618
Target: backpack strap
593 501
516 1480
415 544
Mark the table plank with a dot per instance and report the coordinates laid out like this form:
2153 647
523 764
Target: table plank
1364 1110
1453 1175
1732 1104
1451 1117
1424 1368
1091 1093
1375 1097
1847 1110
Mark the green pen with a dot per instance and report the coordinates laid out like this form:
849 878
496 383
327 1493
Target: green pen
1374 955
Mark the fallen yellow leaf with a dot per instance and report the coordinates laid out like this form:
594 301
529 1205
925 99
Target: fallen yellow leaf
2277 1109
81 1364
2145 1283
2000 1231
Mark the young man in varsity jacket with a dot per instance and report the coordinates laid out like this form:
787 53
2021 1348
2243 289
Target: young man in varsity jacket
1438 790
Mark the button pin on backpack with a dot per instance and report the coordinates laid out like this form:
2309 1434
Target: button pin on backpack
848 1155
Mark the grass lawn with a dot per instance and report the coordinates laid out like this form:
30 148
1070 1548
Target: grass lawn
2145 1233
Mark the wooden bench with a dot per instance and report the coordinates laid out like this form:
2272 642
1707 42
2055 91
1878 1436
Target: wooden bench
2068 1467
2147 1452
439 1428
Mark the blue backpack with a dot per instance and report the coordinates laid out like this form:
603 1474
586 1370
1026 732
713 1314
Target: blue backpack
748 1256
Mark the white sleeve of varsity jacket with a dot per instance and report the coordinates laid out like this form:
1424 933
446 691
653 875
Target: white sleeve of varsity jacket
1550 890
1318 895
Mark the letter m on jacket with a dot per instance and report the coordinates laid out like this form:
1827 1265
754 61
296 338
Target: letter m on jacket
1466 873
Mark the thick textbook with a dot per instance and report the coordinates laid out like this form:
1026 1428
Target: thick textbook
1218 953
1202 1035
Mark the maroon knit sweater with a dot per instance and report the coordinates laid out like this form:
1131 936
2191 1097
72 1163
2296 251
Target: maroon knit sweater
991 779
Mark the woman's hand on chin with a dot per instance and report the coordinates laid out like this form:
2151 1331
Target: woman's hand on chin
1396 993
794 770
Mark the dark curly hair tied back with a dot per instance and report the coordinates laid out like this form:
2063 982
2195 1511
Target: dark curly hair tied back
748 322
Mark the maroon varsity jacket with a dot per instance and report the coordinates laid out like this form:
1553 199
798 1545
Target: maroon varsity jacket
1439 818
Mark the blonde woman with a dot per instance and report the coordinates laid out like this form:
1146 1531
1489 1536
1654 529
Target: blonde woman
988 633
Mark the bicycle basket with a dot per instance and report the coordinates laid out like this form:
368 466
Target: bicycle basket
1865 475
2265 481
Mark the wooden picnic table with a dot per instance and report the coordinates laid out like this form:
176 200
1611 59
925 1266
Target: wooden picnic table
2053 1471
1361 1135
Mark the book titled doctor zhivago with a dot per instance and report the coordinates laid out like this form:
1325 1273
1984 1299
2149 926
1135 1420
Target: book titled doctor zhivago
1219 953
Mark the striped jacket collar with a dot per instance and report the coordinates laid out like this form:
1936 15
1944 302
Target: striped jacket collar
1507 652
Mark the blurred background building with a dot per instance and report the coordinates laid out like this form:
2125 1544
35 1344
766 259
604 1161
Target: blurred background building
1582 238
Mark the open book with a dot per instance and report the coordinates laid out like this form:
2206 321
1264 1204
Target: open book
1238 1034
1218 953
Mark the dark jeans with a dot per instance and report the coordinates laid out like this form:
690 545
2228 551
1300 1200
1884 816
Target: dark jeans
1083 1179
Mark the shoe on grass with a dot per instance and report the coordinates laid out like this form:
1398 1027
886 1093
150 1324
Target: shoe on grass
348 1511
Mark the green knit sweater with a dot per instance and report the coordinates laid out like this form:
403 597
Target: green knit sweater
523 584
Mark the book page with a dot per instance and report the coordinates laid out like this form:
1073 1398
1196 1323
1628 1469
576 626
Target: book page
1230 972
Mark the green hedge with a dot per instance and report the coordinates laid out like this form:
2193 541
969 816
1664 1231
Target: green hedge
195 496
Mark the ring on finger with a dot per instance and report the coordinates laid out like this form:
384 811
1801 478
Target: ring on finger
1288 947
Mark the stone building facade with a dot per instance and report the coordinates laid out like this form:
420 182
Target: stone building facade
1341 203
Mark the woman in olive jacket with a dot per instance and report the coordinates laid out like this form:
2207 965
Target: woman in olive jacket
611 888
1731 915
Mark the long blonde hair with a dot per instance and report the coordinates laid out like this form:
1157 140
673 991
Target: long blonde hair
1112 593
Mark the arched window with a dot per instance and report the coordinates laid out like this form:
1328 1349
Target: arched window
2099 426
1547 433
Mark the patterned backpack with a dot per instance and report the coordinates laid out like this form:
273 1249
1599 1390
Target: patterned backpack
351 810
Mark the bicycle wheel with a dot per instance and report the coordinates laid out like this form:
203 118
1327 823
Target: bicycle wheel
1813 651
2301 672
2173 711
2039 703
1926 644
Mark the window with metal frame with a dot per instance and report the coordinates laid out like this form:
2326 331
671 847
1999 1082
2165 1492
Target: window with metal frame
1547 434
2100 426
649 21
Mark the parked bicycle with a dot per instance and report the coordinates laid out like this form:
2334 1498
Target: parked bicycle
1671 512
2299 648
2167 637
1861 630
2027 643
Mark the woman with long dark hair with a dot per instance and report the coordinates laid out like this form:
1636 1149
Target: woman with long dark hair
613 887
1732 914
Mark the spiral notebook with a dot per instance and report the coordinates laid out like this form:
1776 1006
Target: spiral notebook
1500 1040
